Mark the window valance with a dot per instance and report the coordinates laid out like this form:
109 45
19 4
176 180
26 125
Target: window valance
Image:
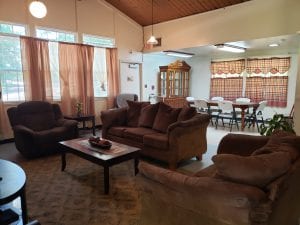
235 67
268 65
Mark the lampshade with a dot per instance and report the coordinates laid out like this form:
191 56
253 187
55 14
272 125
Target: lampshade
152 40
38 9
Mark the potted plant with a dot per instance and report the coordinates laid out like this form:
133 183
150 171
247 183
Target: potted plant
78 107
278 124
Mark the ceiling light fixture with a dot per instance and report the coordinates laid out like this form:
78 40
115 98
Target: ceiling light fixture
178 54
152 40
38 9
230 48
273 45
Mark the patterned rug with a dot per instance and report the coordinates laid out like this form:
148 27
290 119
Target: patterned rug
75 196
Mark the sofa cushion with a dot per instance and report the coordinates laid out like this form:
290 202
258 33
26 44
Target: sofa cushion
157 140
117 131
186 113
165 116
137 133
134 111
289 144
148 114
258 170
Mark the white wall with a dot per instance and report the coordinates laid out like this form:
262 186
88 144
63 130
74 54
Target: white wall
95 17
151 70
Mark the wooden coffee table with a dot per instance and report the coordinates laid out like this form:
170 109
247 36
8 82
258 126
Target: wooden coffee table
106 158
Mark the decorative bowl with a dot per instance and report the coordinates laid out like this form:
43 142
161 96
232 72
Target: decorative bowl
100 143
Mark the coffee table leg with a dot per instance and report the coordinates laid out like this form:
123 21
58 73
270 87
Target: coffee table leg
106 180
63 161
23 206
136 164
93 126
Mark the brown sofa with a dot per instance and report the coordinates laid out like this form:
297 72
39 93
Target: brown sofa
254 181
38 127
162 132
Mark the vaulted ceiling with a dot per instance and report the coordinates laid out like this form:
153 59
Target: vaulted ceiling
165 10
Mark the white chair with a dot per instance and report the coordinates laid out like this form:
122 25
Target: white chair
257 115
217 98
190 101
201 105
243 100
227 112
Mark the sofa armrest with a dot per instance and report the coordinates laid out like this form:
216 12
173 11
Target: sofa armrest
199 119
23 130
210 197
241 144
113 117
187 139
66 123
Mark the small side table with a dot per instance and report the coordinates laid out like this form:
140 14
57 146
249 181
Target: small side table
83 118
12 185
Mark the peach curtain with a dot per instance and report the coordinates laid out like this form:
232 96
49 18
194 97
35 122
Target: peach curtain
5 129
76 77
113 79
36 69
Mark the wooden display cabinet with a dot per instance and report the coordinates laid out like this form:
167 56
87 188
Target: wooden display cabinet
173 83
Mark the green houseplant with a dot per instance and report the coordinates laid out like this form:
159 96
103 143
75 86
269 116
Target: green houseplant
277 124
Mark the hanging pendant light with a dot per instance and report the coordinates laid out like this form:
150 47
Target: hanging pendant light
152 40
38 9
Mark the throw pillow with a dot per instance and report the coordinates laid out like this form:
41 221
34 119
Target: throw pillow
258 170
165 116
148 114
134 111
289 144
186 113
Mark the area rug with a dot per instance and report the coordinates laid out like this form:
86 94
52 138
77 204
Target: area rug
76 196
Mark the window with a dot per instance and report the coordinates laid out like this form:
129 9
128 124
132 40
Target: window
54 70
100 73
9 28
55 35
11 75
98 41
227 79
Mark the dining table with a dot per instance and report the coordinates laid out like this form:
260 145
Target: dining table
241 105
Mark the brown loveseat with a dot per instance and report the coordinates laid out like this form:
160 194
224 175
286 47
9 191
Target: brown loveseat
254 181
38 127
162 132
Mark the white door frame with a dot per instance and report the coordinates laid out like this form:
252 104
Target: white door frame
140 75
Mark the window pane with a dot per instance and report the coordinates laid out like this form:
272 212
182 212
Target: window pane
55 35
12 29
54 69
99 41
11 76
100 73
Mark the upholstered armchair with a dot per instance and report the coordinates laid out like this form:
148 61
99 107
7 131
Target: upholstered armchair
38 127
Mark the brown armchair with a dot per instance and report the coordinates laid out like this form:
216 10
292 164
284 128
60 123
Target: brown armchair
38 127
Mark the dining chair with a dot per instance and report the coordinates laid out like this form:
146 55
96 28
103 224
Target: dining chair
190 101
202 107
227 111
243 99
217 98
257 115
